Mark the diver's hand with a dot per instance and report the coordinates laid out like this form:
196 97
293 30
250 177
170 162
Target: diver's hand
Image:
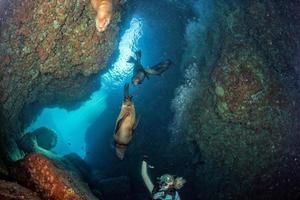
145 158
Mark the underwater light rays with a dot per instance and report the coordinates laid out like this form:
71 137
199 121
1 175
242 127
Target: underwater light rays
121 69
72 125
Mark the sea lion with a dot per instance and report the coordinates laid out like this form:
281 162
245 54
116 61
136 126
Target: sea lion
125 124
104 9
140 73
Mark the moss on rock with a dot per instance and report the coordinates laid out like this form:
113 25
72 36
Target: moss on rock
50 54
244 110
219 91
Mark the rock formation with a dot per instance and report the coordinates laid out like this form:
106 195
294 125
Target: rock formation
50 53
50 180
12 190
243 103
42 137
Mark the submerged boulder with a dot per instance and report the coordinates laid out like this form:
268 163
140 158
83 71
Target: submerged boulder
12 190
50 179
76 163
42 137
3 169
40 141
111 188
46 138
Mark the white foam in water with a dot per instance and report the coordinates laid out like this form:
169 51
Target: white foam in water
195 36
71 126
183 96
120 70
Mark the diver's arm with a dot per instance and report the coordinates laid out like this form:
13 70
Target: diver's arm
146 177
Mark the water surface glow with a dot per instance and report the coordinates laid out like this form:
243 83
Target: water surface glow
121 69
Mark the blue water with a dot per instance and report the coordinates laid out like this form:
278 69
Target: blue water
141 30
72 125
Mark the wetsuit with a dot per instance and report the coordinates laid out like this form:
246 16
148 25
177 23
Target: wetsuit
165 195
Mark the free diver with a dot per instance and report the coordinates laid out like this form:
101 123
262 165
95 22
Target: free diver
125 124
140 73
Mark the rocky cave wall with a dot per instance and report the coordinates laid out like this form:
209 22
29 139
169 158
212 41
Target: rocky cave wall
50 54
242 115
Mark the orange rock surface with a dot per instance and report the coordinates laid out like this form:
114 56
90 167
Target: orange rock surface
52 182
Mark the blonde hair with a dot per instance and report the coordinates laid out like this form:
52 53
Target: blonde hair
179 182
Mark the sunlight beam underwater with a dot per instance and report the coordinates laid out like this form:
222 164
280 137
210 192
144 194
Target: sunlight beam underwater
71 126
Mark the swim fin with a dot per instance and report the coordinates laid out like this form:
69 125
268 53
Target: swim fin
132 60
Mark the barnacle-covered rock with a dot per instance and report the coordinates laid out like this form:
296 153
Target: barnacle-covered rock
241 83
243 114
50 53
50 179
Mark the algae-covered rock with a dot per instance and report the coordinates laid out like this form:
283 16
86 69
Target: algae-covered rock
222 107
219 91
41 137
239 76
50 54
50 179
10 150
243 115
12 190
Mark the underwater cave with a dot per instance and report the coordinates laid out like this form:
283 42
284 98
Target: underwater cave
149 99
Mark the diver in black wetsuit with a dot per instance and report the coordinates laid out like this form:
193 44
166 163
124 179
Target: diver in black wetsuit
139 72
167 186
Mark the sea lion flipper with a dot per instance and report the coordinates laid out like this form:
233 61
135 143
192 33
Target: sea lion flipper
120 121
150 71
159 68
136 123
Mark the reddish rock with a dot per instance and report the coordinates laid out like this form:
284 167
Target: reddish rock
50 179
